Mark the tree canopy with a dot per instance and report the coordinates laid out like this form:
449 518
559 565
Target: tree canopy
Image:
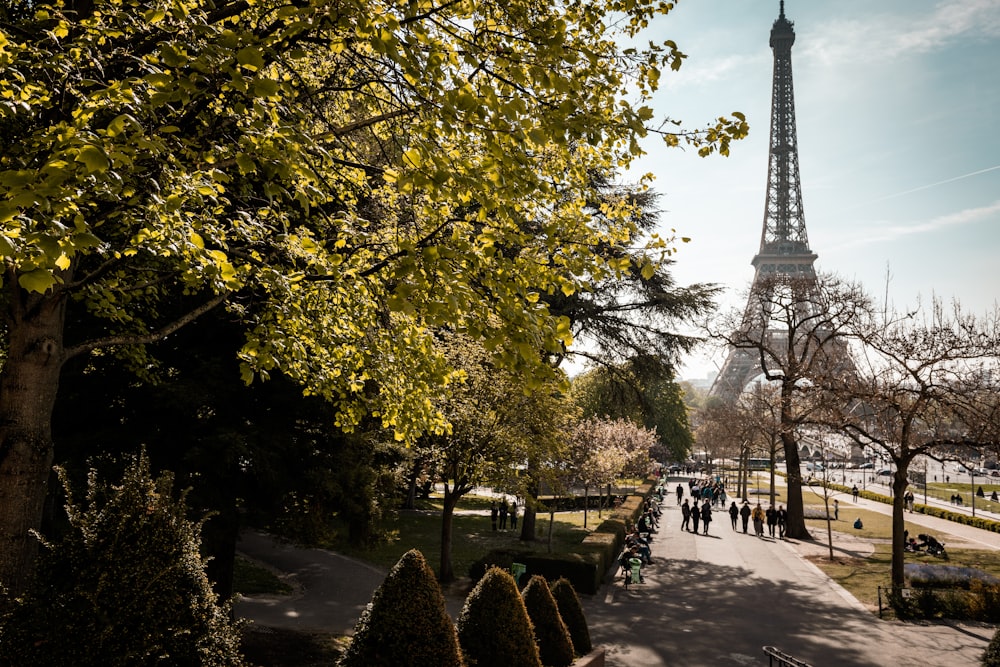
342 176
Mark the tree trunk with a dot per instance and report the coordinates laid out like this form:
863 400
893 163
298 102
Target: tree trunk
586 504
530 509
29 382
795 528
451 498
898 526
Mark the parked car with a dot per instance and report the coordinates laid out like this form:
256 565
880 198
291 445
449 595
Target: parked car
884 472
866 466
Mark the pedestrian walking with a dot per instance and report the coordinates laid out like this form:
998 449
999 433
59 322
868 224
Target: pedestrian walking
745 514
513 515
695 516
771 516
504 508
734 513
782 521
685 515
836 510
758 520
494 513
854 492
680 493
706 516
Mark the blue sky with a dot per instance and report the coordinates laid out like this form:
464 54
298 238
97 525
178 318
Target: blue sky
898 117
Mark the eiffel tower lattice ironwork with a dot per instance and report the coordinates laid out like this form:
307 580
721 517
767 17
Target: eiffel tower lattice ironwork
784 245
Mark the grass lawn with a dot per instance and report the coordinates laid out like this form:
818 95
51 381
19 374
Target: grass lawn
861 577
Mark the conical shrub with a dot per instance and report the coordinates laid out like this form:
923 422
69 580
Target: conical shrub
991 658
124 586
555 647
572 615
494 629
406 622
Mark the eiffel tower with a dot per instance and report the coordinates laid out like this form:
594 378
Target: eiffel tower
784 246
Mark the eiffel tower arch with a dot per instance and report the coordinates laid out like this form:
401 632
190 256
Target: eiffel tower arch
784 258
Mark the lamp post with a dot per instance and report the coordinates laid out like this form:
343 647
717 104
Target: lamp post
972 491
925 480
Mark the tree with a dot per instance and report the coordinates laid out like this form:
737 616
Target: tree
343 177
927 384
796 329
406 622
125 586
637 390
494 427
602 450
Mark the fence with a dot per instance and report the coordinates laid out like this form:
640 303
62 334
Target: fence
776 658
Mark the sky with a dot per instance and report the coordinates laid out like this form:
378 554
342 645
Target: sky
898 122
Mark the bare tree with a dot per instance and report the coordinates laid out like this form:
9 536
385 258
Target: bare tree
926 383
795 329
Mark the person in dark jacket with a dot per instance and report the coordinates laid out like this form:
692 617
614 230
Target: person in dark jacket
706 515
745 515
685 515
734 513
771 515
695 516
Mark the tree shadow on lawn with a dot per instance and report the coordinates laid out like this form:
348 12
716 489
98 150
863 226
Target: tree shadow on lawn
695 613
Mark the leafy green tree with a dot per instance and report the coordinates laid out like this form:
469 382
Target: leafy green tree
555 646
493 417
125 586
571 612
494 629
406 622
343 177
637 390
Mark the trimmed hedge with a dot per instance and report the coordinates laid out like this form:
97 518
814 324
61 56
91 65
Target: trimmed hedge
584 570
991 658
406 623
555 646
494 629
572 615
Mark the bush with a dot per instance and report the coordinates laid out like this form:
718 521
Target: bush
406 622
494 629
555 647
991 658
572 615
124 586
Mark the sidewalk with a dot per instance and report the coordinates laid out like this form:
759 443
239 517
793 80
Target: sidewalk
712 600
718 599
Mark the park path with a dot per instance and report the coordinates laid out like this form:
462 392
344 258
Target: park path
716 600
711 600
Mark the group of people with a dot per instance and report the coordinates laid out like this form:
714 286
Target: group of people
774 519
692 514
500 513
712 491
638 549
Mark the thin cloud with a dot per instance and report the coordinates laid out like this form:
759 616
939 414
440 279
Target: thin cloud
880 37
876 234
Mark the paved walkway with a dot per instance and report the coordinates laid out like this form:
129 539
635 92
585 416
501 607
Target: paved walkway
711 600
